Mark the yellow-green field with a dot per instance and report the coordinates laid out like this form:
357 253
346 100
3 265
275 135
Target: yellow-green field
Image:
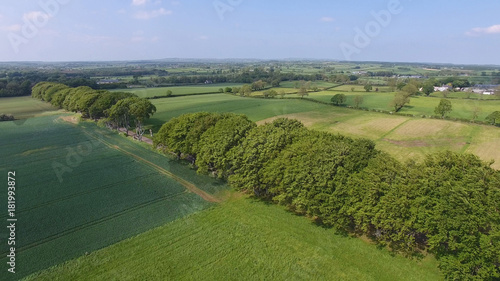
406 137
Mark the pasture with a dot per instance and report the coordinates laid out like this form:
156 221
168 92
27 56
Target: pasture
419 105
255 109
243 239
81 188
178 90
405 137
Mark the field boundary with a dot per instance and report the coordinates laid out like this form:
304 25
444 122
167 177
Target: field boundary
189 186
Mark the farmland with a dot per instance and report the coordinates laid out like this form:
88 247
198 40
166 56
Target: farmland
24 107
92 199
255 109
81 193
180 90
243 239
400 136
419 105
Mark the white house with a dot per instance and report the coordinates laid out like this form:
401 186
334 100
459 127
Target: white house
442 88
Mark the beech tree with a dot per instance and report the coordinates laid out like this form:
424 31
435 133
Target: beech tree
338 99
444 107
400 100
217 141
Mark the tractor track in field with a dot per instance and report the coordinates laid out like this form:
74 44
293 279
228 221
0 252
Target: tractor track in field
189 186
74 195
93 223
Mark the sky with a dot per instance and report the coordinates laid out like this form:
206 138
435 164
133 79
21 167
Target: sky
430 31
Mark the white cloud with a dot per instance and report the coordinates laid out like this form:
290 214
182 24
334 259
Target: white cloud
11 28
494 29
327 19
203 37
143 15
139 2
137 39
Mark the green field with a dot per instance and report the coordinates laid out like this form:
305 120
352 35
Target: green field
243 239
180 90
255 109
112 190
462 108
405 137
24 107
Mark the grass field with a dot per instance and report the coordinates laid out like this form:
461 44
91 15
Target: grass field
243 239
111 190
462 108
24 107
405 137
255 109
181 90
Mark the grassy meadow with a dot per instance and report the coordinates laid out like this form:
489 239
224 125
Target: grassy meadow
243 239
180 90
419 105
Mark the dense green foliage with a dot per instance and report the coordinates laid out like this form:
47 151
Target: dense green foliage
338 99
494 118
447 205
444 107
119 107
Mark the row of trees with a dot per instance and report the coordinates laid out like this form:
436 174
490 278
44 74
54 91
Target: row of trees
118 108
447 205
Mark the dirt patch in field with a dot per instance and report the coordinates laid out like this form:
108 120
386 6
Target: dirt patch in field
428 128
307 118
70 119
30 152
487 151
423 143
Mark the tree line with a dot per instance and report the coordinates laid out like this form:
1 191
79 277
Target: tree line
447 205
116 109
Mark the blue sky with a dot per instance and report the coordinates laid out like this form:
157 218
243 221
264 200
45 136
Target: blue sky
441 31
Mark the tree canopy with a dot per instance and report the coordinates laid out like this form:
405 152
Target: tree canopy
444 107
339 99
446 205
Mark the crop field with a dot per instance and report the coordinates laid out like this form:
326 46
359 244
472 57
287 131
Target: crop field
82 188
184 90
243 239
24 107
255 109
